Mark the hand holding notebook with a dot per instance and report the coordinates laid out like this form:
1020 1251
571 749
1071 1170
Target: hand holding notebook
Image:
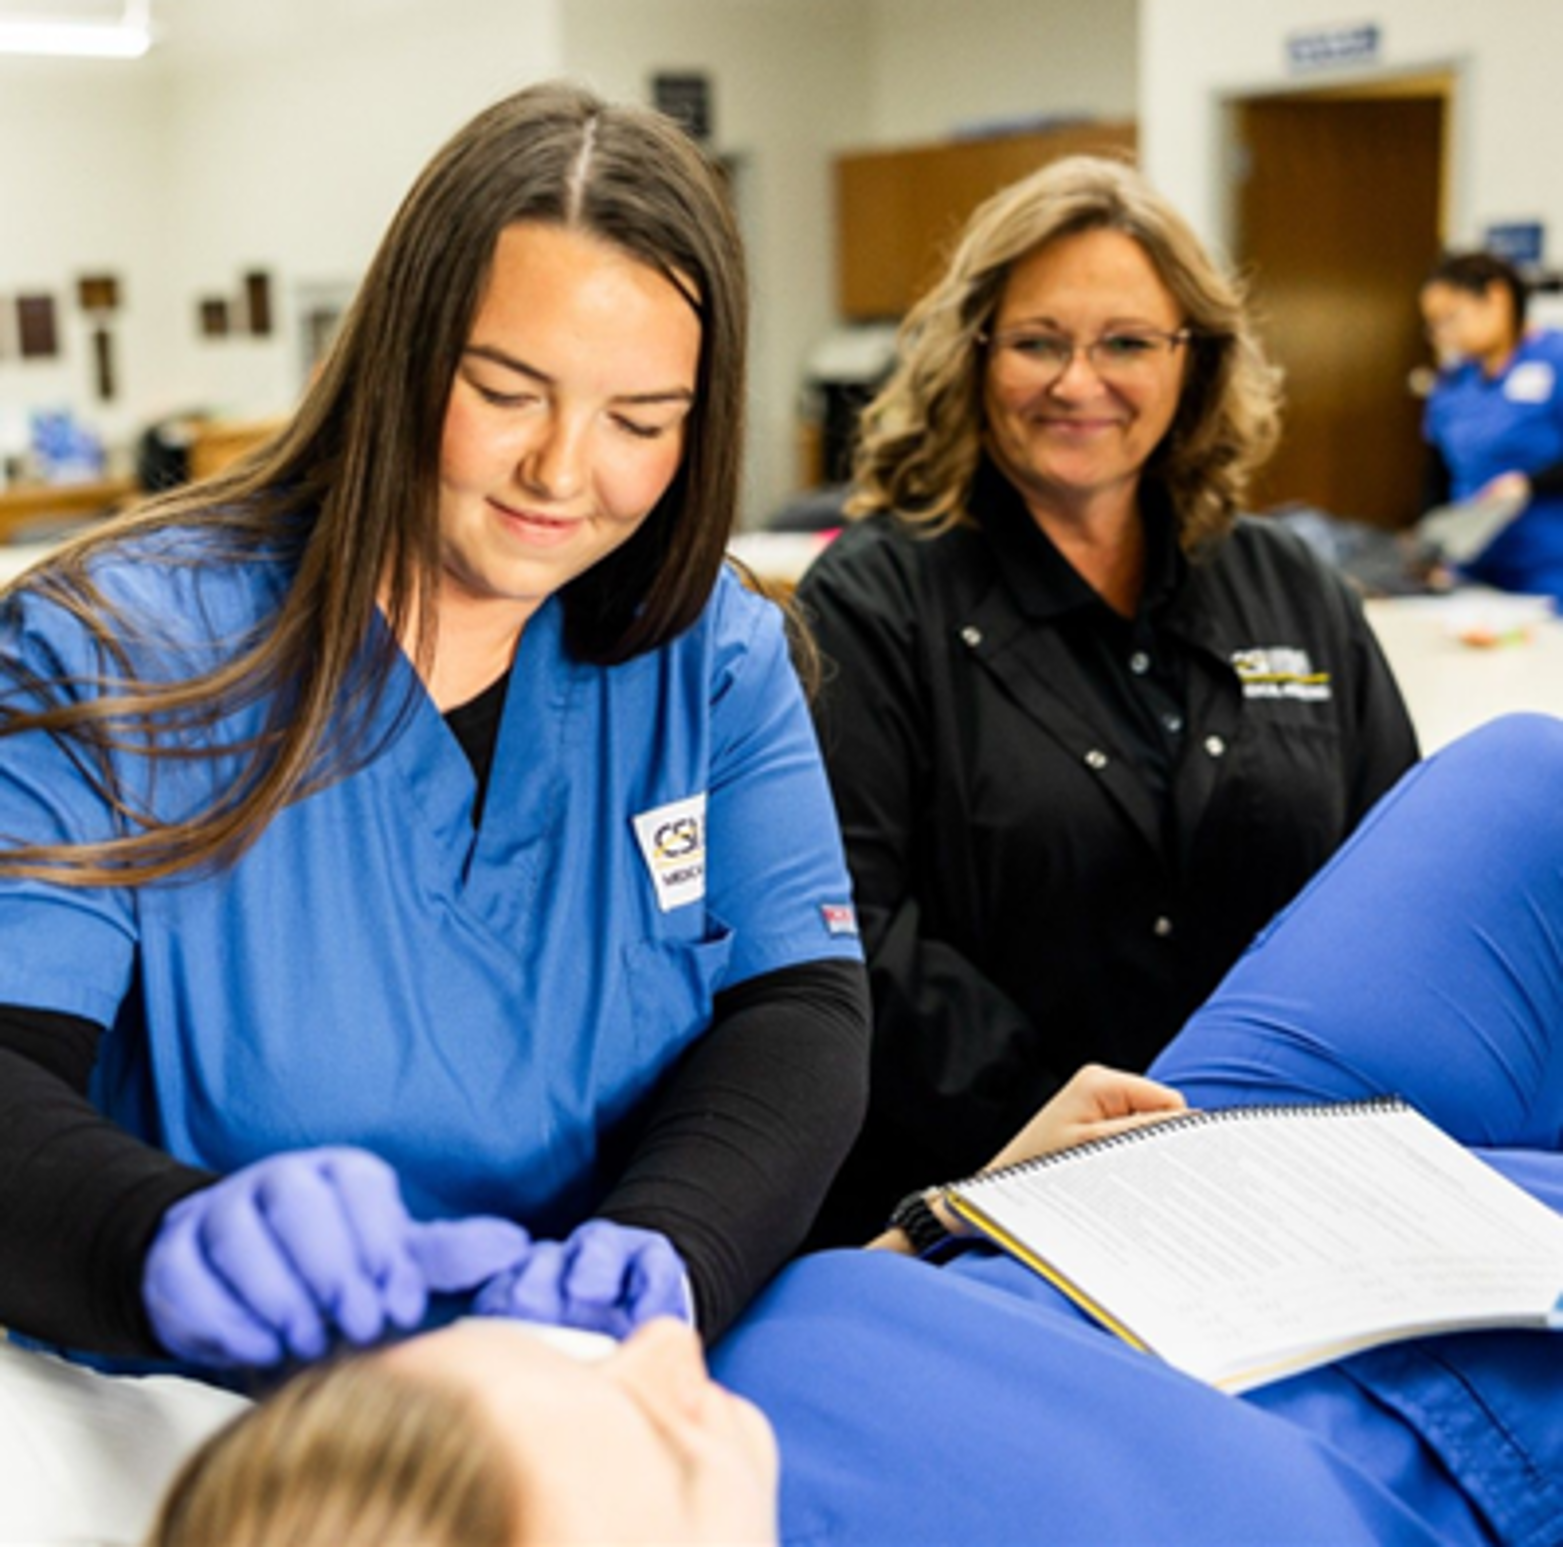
1097 1103
1245 1245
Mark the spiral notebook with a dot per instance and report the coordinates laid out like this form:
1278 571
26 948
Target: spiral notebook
1245 1245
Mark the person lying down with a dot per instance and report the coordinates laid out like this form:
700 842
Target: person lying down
869 1396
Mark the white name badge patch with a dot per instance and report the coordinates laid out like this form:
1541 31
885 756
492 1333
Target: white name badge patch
1531 381
672 841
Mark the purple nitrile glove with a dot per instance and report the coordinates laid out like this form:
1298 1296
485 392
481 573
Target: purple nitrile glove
301 1249
604 1278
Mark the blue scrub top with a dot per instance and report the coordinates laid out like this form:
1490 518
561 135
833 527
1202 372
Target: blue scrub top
486 1009
1511 422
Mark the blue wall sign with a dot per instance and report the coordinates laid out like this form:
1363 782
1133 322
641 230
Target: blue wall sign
1333 48
1522 242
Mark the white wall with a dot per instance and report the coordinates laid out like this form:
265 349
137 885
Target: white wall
937 67
786 93
279 136
76 141
291 156
1195 55
276 137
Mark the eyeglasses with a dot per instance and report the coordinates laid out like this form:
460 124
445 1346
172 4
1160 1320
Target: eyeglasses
1119 358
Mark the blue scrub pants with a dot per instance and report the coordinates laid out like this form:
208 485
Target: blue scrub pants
973 1403
1425 960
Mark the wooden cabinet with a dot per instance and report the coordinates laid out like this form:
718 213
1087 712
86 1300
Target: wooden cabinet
898 210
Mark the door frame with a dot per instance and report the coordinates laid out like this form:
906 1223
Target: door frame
1448 80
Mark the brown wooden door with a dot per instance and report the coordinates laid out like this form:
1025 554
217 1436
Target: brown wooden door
1336 221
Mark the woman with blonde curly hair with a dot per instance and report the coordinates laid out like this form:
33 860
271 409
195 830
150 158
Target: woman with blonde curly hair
1087 724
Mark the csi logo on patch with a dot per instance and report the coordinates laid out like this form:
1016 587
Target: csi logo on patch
677 839
672 841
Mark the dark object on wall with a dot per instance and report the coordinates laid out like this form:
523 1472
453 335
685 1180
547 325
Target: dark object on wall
686 97
36 330
98 292
103 363
214 317
320 320
257 302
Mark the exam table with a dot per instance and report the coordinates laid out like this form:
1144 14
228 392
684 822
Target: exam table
85 1457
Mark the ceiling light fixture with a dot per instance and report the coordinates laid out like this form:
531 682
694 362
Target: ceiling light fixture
128 38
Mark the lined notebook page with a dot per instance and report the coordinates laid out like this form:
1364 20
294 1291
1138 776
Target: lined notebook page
1245 1245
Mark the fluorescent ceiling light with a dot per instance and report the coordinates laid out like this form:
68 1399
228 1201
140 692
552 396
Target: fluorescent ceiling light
127 38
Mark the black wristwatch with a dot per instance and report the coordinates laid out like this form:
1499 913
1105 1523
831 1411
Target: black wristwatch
918 1222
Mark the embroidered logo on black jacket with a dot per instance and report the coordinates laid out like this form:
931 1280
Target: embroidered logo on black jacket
1280 671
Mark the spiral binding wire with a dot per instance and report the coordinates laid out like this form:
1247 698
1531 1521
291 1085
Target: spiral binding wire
1198 1119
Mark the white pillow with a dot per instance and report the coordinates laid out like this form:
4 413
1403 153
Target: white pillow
84 1457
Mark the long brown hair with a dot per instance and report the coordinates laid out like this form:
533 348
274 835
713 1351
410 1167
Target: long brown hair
922 436
345 498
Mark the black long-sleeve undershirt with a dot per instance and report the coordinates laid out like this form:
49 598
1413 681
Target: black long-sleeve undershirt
742 1147
732 1166
736 1155
80 1197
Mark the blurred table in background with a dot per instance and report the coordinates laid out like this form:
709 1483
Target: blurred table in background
46 511
1469 656
1451 685
778 558
1460 658
25 507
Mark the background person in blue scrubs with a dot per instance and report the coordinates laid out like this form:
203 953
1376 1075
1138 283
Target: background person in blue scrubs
972 1402
413 843
1494 420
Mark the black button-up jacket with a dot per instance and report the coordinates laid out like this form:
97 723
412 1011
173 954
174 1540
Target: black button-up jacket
1040 880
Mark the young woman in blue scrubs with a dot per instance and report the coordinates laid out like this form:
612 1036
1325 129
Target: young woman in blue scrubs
1494 420
418 885
971 1402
